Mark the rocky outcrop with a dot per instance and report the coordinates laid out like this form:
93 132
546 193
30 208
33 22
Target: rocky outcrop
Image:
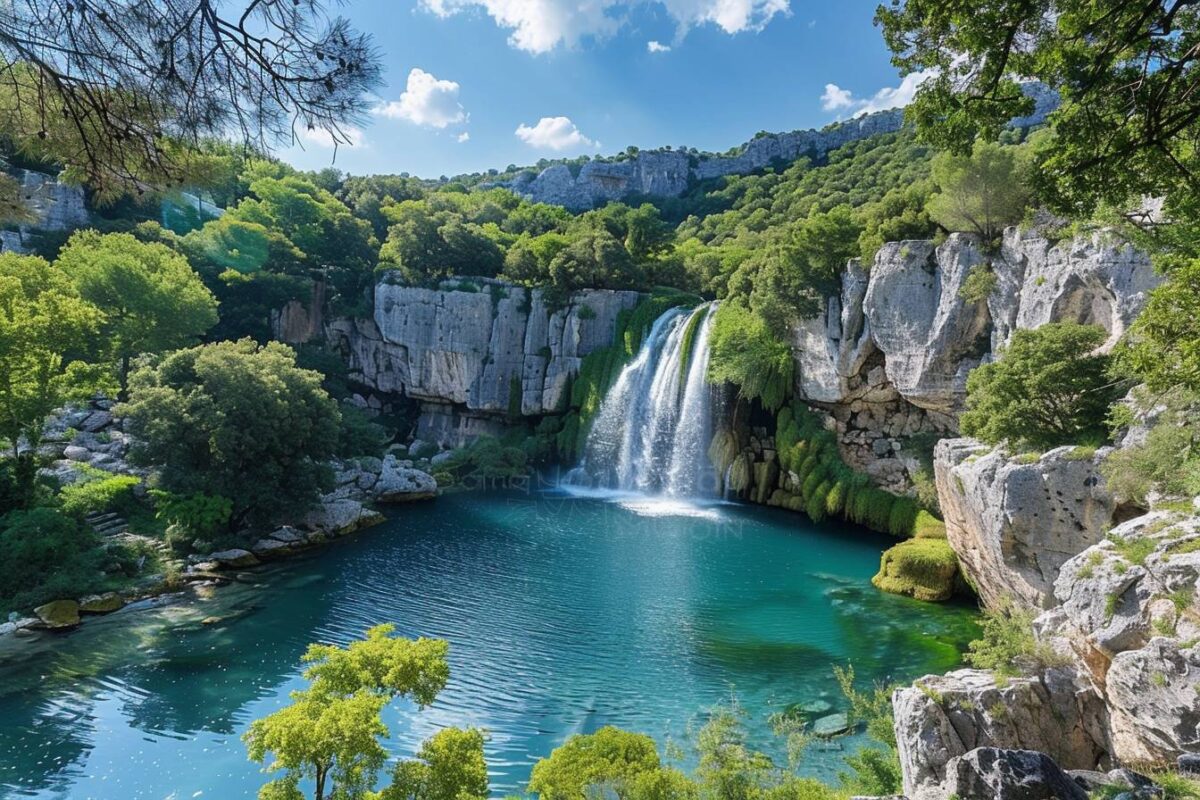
1128 612
668 173
56 206
890 354
386 480
943 718
1000 774
1014 521
484 350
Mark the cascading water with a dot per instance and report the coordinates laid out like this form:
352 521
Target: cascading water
652 431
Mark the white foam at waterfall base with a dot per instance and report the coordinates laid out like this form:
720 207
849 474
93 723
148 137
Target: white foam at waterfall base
648 446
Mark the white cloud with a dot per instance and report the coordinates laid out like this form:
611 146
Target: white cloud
464 137
657 47
835 98
539 26
426 101
348 135
554 133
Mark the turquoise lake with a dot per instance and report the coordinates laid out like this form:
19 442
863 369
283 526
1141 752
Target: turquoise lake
564 614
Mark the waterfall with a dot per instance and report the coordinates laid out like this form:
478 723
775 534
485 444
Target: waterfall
653 428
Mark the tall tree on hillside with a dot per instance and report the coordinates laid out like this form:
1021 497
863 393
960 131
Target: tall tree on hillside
1126 73
980 193
105 86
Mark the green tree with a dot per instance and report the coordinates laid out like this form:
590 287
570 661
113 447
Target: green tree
330 733
449 766
237 420
609 757
1049 387
1124 72
152 300
1163 348
46 331
980 193
595 259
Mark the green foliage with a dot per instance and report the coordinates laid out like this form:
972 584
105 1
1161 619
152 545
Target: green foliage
1114 141
97 495
980 193
1008 646
330 733
924 569
1049 388
609 757
151 298
1164 461
981 281
46 333
487 460
358 435
449 766
1163 349
744 352
46 555
236 420
199 514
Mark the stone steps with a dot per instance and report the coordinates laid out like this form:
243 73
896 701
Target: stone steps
110 524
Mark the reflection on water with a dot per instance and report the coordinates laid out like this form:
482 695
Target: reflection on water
564 614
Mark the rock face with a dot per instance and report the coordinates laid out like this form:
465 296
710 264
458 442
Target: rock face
1010 775
386 480
667 173
943 718
57 206
1014 522
890 354
476 354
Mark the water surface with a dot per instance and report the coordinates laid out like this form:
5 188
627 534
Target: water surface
564 614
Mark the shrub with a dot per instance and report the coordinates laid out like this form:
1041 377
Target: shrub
196 515
98 495
1008 646
1049 388
609 756
358 435
46 555
744 352
981 281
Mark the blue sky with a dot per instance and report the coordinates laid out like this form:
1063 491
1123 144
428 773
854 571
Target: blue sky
473 84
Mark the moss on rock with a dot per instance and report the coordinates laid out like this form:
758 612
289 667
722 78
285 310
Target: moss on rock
922 568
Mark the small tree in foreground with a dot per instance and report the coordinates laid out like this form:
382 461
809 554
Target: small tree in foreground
330 733
1049 388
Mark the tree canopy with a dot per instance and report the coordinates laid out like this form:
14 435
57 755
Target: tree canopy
237 420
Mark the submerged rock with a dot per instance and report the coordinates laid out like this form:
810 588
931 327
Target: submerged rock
101 603
234 558
832 725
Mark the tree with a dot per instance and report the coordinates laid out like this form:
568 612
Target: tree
105 86
1125 74
1049 388
152 299
237 420
596 260
330 733
744 352
1163 348
46 330
609 757
449 766
980 193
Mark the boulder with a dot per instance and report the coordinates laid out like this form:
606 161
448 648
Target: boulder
337 517
101 603
58 614
270 548
1014 521
832 725
925 569
234 558
1000 774
943 717
288 535
400 484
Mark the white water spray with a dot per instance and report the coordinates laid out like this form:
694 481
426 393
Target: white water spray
652 431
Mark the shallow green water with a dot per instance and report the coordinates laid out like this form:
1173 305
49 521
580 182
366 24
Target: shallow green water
564 614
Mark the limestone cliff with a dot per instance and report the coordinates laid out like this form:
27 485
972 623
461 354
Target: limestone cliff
56 206
475 354
889 356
